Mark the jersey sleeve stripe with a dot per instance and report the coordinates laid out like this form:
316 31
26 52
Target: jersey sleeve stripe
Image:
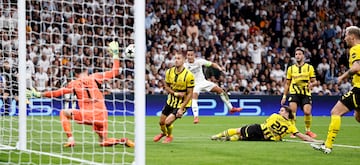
185 75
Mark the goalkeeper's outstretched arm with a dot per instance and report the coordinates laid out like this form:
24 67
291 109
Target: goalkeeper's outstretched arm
113 49
56 93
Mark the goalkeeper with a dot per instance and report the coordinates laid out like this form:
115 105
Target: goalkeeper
92 110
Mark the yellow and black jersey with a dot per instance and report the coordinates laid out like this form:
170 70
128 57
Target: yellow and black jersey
178 82
276 127
300 77
355 56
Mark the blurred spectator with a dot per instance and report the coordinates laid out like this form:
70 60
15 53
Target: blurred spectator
326 90
335 91
322 68
331 74
316 88
41 79
277 75
345 86
9 75
30 72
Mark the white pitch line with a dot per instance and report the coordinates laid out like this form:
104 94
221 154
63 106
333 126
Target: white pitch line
65 157
286 140
52 155
338 145
5 147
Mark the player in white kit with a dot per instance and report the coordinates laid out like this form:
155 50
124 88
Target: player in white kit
201 84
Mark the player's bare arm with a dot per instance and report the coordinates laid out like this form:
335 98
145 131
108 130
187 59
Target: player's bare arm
188 97
171 91
307 138
353 70
56 93
168 89
312 82
286 90
217 66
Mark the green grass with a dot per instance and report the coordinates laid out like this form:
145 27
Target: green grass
45 134
191 145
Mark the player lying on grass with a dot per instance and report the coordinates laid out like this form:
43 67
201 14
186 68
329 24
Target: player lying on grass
92 110
273 129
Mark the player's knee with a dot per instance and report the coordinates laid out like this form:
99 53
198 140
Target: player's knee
66 113
357 118
357 115
219 90
307 113
195 95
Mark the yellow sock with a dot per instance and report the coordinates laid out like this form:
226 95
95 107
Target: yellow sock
163 129
234 138
307 120
334 128
169 129
228 132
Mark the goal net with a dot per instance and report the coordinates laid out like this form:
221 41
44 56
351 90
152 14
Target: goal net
62 36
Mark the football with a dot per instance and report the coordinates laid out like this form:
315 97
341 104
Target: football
130 51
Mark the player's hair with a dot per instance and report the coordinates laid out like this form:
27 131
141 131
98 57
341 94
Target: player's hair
288 109
183 55
190 48
79 69
354 30
300 49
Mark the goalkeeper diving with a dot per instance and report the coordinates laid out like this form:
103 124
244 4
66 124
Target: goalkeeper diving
92 110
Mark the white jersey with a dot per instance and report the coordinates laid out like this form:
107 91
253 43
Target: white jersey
201 84
196 68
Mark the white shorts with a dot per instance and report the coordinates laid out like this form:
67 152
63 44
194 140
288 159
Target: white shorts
203 86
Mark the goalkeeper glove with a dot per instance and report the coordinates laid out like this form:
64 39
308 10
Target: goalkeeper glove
114 49
32 93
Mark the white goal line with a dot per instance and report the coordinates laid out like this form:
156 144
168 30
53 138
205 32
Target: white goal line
5 147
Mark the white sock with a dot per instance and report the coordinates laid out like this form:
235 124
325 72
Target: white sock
71 139
195 108
224 97
66 105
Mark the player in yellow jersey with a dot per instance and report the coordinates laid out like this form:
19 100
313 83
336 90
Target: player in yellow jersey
179 84
273 129
350 100
299 79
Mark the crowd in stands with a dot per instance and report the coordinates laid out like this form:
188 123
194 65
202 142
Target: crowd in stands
254 40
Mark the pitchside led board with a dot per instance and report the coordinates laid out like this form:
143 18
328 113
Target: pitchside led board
209 105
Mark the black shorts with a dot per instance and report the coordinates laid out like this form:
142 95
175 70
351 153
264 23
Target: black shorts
351 99
301 100
252 132
167 110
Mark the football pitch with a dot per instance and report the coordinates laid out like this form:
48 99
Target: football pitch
191 145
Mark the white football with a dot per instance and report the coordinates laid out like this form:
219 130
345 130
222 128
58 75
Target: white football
130 51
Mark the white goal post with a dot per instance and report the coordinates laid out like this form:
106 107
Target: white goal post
37 137
140 107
